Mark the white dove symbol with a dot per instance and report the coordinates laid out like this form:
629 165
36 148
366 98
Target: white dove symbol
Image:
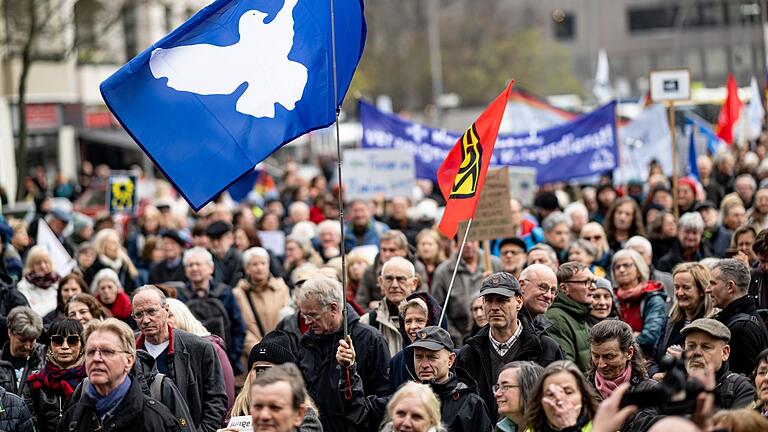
259 58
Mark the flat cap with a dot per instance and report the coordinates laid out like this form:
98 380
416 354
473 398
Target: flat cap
432 338
501 283
217 229
175 236
712 327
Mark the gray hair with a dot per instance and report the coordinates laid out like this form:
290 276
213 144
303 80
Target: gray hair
637 260
585 245
576 207
411 268
108 274
321 288
640 242
550 222
25 322
734 270
197 250
255 252
691 221
160 294
546 248
528 374
748 178
329 225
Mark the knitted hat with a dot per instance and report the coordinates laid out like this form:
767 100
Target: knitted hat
269 352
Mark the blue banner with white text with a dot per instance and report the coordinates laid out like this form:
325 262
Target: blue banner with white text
579 148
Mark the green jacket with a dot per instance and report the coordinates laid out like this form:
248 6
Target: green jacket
569 328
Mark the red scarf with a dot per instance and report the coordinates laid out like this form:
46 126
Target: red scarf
54 378
606 387
121 308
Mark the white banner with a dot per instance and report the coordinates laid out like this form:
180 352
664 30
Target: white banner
378 173
63 264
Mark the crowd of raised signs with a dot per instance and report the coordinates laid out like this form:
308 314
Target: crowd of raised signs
615 307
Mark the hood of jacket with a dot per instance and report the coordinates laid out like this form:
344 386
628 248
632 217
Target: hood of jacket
434 310
571 307
459 383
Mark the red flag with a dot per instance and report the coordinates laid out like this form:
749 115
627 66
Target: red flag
462 174
730 111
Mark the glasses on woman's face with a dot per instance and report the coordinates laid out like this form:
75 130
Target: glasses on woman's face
59 340
503 387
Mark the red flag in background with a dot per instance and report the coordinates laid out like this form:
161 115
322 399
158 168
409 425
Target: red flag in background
462 174
730 111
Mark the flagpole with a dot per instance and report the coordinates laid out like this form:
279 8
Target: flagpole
455 269
671 107
338 165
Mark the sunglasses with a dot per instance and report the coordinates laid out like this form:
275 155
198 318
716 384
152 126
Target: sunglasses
59 340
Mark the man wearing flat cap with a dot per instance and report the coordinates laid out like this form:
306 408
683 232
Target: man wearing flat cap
507 337
707 349
228 267
171 268
461 409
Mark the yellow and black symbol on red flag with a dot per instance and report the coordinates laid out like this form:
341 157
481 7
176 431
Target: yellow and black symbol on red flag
465 183
122 195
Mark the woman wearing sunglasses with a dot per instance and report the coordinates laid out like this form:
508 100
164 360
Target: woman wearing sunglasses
52 386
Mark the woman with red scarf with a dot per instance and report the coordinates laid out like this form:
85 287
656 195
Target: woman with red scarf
51 387
109 292
642 302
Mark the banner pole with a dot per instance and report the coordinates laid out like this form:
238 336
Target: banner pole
343 304
487 254
671 107
455 269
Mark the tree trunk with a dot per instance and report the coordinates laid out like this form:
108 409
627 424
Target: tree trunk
21 106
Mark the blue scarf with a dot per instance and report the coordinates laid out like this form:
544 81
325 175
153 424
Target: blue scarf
106 404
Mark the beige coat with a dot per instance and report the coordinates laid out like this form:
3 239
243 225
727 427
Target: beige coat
268 300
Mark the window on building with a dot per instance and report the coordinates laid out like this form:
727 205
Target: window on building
565 26
130 27
640 19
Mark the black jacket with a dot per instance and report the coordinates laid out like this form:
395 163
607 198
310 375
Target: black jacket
475 358
14 415
675 256
137 412
758 288
317 360
10 297
195 369
228 270
35 361
461 408
642 420
129 283
160 273
748 334
47 406
733 390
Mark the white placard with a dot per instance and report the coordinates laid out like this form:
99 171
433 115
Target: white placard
670 85
273 241
378 173
240 423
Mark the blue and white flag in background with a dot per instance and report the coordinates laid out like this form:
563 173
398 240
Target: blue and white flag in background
692 167
702 128
233 84
642 140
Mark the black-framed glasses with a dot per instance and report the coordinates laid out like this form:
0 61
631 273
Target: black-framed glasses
504 387
586 282
59 340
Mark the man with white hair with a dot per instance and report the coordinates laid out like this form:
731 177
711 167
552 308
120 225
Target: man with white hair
539 284
642 246
688 246
745 186
328 240
557 232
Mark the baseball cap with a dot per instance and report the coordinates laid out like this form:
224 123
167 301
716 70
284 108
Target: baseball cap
501 283
705 205
515 241
432 338
709 326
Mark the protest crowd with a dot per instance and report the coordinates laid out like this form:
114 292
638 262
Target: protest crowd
177 320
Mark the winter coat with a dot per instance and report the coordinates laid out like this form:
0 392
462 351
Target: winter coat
670 336
10 297
369 238
164 272
475 358
718 240
748 334
317 360
653 313
48 405
675 256
643 419
145 373
41 300
35 361
733 390
194 368
14 415
466 284
128 283
461 408
137 412
568 327
369 289
226 368
229 269
384 324
758 288
268 300
236 337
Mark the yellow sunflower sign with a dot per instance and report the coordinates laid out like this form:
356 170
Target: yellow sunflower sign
122 194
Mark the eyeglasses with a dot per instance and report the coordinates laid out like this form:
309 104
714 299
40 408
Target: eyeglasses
310 317
151 312
260 369
105 353
400 279
59 340
503 387
586 282
623 266
543 287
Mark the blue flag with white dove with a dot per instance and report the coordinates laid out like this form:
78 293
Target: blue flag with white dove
233 84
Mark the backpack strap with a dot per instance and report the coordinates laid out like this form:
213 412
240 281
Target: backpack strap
741 316
255 314
155 390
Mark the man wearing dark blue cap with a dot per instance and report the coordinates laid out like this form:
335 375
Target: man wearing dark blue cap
507 337
460 406
171 268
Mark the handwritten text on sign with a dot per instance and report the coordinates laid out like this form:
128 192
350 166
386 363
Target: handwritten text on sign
378 173
494 212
